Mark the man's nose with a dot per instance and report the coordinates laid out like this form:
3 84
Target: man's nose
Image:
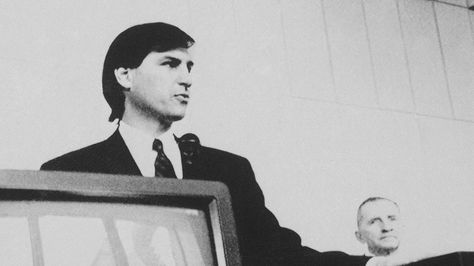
185 78
387 227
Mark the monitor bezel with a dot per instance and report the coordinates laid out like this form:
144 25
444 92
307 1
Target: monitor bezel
87 186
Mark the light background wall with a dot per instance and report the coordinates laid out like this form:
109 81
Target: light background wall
331 100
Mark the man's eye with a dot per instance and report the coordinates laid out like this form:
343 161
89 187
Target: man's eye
172 63
373 221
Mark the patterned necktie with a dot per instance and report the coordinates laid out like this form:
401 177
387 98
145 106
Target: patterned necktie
163 166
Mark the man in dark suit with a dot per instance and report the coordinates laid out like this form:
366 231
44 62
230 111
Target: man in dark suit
146 80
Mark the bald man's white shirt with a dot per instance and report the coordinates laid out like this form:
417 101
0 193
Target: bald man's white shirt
399 258
140 145
377 261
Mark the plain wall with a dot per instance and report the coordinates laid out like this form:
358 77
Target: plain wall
332 101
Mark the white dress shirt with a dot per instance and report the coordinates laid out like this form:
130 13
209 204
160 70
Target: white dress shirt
140 145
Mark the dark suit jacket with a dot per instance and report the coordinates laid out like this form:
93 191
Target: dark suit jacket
262 241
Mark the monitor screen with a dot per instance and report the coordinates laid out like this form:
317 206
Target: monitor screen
59 218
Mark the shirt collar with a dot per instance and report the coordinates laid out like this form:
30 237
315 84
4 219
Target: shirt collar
140 145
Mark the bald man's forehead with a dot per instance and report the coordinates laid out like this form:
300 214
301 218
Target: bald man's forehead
378 208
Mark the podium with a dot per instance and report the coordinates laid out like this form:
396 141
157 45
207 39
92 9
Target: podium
62 218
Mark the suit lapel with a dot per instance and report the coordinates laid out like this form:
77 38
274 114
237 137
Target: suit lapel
196 168
192 170
118 158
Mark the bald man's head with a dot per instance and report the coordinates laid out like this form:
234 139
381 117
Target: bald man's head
378 225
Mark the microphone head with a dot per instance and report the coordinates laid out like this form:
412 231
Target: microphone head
189 146
189 137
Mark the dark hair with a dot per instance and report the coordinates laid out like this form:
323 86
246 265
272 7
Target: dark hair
128 51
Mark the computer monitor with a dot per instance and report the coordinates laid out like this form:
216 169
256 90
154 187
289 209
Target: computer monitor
64 218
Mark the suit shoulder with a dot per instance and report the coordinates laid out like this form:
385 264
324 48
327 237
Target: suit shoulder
222 155
73 159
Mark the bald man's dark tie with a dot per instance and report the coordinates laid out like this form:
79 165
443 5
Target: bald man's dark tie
163 166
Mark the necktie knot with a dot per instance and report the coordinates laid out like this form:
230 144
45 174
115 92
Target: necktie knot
163 166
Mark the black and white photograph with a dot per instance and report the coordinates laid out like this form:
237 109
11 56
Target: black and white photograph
237 132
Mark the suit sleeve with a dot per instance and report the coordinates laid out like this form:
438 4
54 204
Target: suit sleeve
264 242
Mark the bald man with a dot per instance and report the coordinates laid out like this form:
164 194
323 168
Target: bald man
378 223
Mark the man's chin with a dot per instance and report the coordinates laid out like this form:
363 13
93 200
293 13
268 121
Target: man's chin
383 250
173 117
390 242
389 247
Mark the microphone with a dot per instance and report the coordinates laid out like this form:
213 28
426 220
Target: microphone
190 147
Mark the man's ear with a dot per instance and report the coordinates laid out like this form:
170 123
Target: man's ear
124 77
359 237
